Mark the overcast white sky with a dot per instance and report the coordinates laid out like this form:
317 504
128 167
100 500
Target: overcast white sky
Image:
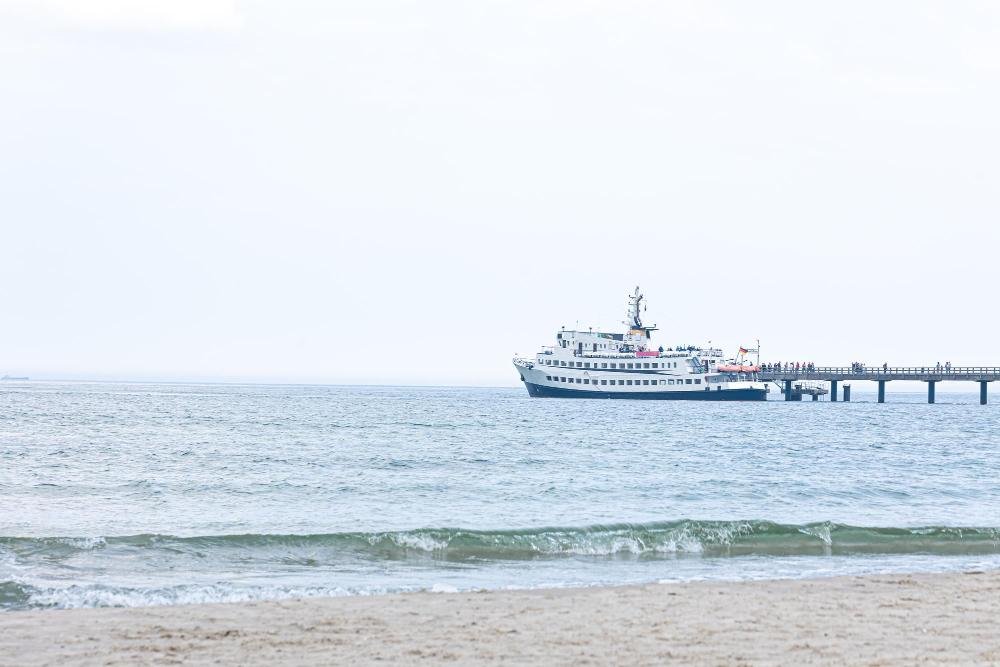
377 191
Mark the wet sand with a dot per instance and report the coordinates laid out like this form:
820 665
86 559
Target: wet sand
889 619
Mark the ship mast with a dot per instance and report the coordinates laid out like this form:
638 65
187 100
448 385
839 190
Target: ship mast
633 317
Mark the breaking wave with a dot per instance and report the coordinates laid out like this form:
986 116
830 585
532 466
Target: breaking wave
706 538
151 569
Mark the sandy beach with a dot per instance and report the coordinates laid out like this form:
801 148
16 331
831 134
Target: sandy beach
891 619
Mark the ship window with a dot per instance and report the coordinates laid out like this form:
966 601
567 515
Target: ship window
604 365
663 381
604 381
697 380
646 365
670 381
630 365
688 381
578 380
548 377
645 381
586 381
655 365
628 382
587 365
562 379
579 364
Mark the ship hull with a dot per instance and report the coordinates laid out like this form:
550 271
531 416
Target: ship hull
544 391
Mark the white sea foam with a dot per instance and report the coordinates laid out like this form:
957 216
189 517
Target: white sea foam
94 596
83 542
418 541
820 531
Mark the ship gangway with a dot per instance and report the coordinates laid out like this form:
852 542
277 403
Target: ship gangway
881 375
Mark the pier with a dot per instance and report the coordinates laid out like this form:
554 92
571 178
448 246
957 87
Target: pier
929 374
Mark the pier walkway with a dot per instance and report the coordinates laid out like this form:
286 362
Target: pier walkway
929 374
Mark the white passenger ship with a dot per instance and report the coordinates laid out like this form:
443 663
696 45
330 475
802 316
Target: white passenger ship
596 364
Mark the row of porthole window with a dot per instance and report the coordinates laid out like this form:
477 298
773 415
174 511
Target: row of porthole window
553 378
586 364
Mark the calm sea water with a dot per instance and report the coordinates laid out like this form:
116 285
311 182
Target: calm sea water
134 494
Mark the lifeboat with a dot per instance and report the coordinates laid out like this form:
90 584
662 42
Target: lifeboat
736 368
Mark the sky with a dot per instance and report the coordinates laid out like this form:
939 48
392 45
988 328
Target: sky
386 192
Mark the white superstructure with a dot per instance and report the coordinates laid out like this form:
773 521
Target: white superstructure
597 364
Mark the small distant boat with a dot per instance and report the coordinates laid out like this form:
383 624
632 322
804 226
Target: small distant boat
12 378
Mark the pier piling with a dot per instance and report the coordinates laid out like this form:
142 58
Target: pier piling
837 376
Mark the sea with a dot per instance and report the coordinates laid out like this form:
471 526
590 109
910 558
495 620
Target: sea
132 494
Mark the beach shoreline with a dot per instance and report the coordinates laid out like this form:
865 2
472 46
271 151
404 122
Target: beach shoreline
877 619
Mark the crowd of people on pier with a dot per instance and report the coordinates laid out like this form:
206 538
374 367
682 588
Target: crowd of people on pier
809 367
856 367
790 367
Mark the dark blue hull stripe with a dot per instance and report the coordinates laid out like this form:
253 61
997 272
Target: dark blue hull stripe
648 371
542 391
